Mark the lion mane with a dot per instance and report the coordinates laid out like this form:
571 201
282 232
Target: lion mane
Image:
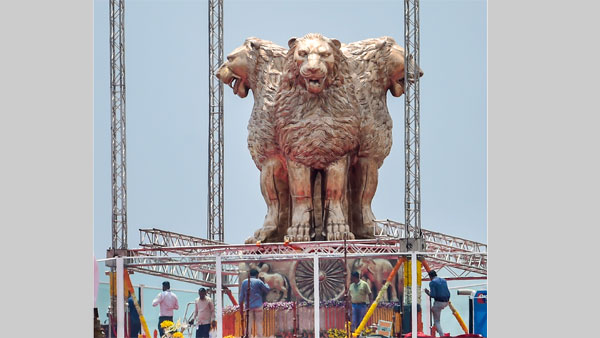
369 59
264 79
317 129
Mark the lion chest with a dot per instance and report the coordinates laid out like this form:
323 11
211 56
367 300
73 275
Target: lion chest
317 135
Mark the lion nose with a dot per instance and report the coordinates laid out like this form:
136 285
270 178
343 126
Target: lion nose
313 66
311 70
219 73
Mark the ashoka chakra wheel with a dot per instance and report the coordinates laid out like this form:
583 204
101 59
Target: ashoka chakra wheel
331 279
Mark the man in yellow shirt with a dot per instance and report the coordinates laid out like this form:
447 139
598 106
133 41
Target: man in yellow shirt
359 295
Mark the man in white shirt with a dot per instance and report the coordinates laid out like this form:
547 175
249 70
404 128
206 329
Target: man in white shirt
168 302
204 314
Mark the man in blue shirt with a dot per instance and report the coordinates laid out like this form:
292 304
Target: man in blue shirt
441 294
135 327
258 290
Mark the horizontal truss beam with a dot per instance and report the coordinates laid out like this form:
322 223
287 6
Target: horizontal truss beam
161 238
192 259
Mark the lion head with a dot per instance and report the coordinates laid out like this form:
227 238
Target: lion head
315 60
395 69
240 70
380 62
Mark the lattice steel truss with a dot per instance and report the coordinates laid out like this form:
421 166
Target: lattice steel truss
249 252
458 256
161 238
216 154
117 106
394 229
192 259
412 196
185 269
193 273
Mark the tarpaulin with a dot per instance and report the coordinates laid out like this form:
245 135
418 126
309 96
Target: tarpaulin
480 313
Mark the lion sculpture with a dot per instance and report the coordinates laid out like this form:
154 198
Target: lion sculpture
378 65
317 121
337 93
257 65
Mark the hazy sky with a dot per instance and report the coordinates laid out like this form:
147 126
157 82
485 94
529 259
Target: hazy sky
167 105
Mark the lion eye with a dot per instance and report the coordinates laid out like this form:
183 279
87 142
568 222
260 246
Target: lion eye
302 53
326 54
230 58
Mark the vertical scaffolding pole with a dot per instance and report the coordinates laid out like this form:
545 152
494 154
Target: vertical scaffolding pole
117 128
215 123
316 298
120 299
414 301
412 195
412 293
412 149
117 107
219 296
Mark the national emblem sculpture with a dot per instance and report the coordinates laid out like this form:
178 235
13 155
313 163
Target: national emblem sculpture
319 130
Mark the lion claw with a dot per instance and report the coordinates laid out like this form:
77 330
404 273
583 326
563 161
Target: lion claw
337 231
299 232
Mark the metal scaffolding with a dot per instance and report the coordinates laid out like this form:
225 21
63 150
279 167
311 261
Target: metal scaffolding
191 259
162 238
118 138
117 105
412 173
216 155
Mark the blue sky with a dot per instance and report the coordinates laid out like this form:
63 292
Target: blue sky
167 100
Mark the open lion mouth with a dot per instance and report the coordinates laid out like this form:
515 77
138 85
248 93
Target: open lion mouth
237 84
232 80
397 87
314 85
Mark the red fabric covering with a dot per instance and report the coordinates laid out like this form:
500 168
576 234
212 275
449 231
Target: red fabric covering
229 324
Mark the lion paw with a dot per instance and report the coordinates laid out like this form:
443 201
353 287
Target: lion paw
259 236
337 231
250 240
299 232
